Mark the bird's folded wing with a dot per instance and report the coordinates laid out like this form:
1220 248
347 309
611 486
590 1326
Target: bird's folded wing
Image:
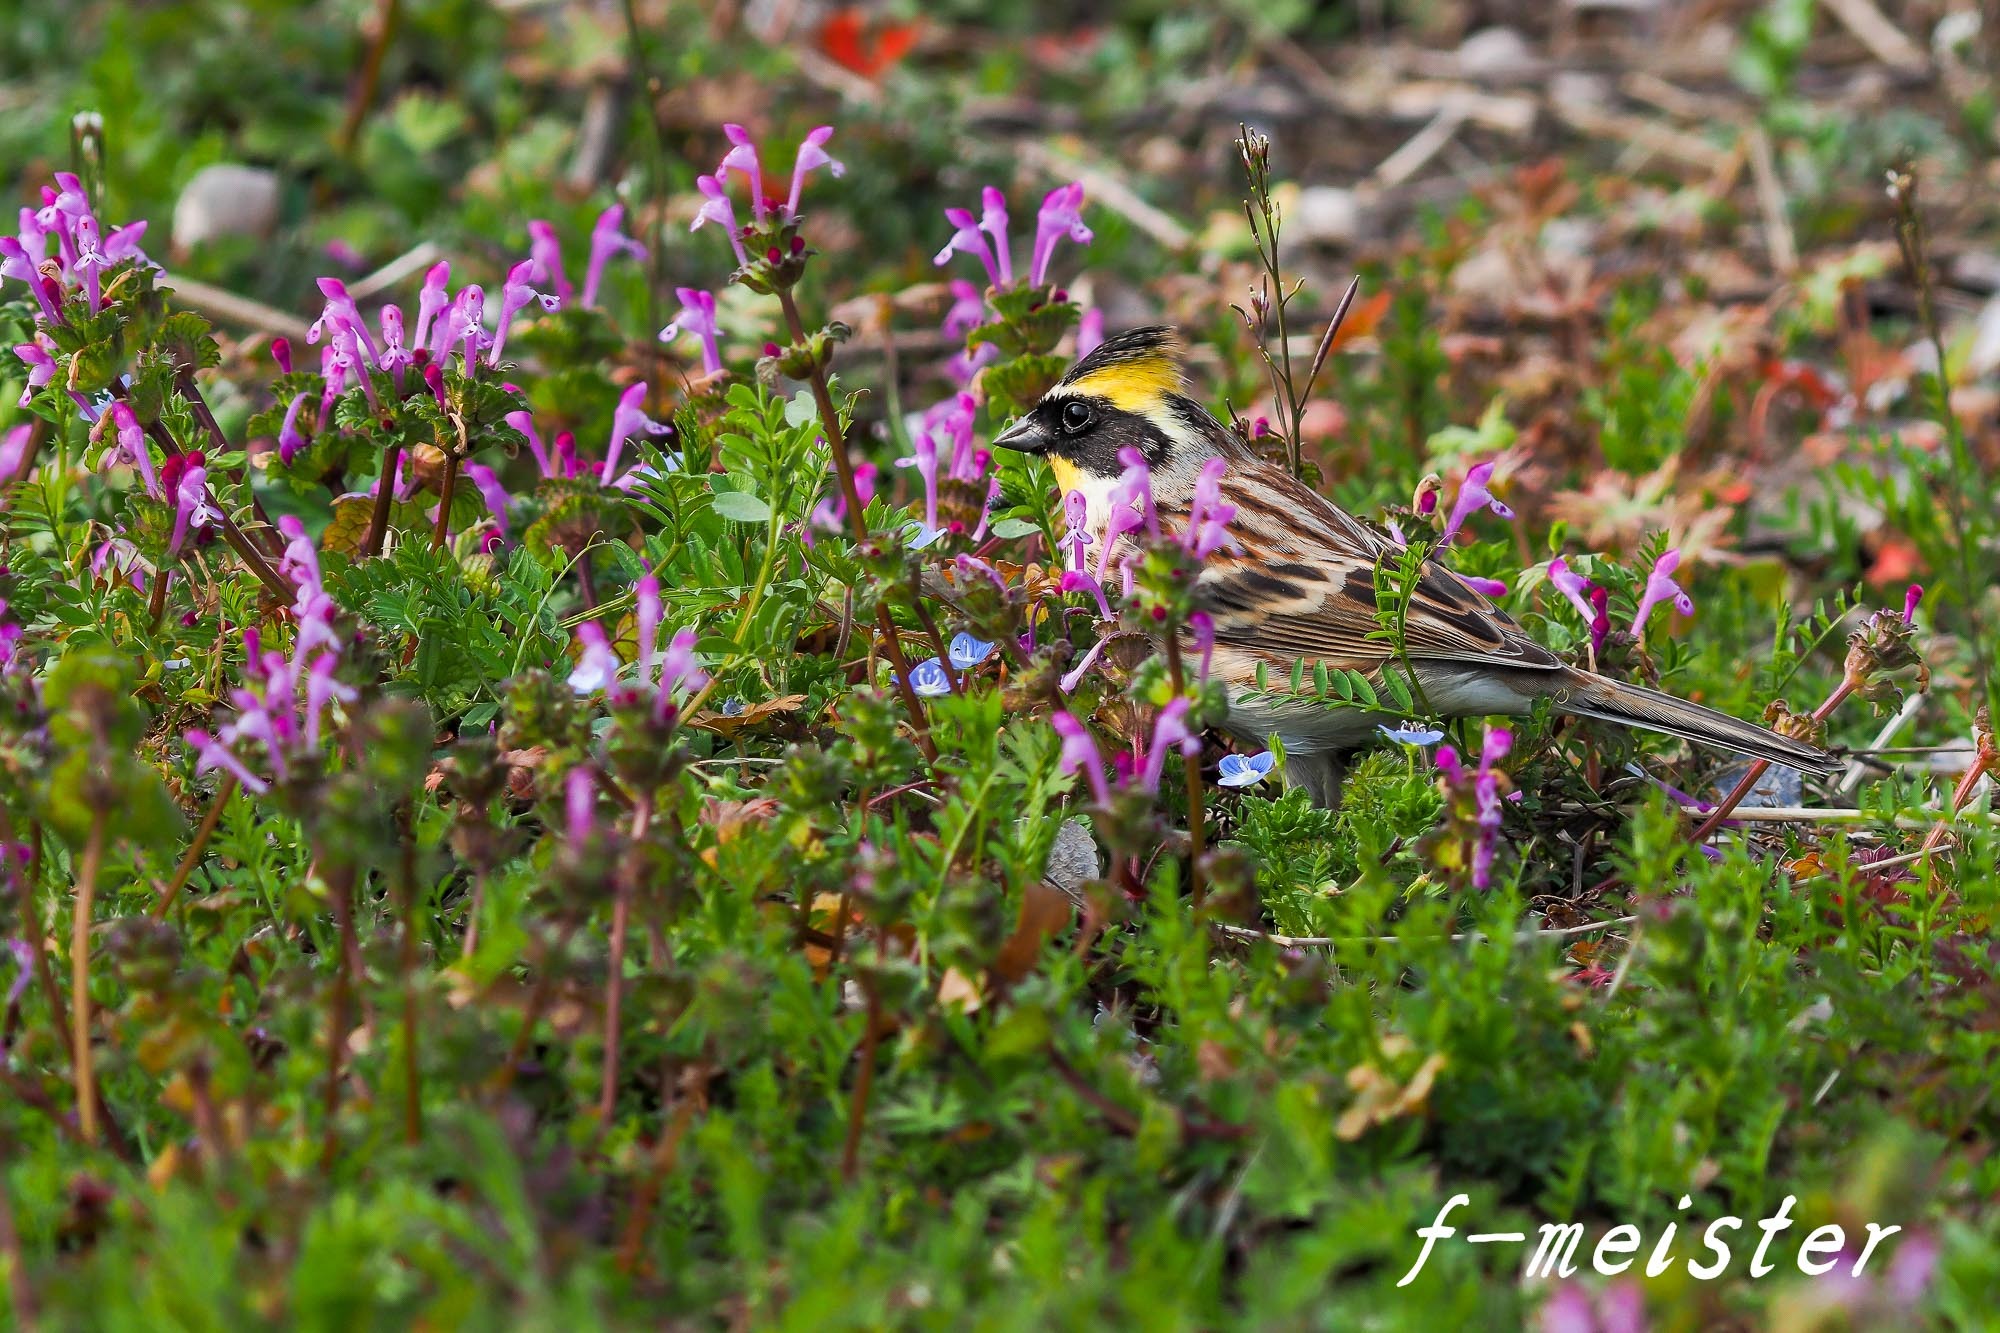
1302 585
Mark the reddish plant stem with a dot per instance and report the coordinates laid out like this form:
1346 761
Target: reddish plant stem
665 1153
378 518
192 858
413 1087
191 393
538 999
864 1082
156 601
614 984
79 962
843 467
929 622
363 96
442 533
1760 767
1196 888
341 886
1984 762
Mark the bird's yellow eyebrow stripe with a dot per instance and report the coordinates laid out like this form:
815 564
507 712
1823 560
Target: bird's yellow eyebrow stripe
1131 386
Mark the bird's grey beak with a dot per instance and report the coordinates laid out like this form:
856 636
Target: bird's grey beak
1024 436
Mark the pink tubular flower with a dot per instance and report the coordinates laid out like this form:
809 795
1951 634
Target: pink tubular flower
967 312
341 312
41 365
290 441
1660 587
187 476
680 675
1061 215
1076 511
742 158
91 261
993 221
132 439
432 301
596 665
1079 753
649 614
629 419
1074 676
545 250
1089 331
464 323
967 238
697 316
211 753
1473 496
717 208
1170 732
924 459
516 293
1485 782
1208 514
492 492
1573 586
14 453
1079 580
524 421
607 240
1203 625
1483 586
1131 507
1600 620
811 157
580 805
343 347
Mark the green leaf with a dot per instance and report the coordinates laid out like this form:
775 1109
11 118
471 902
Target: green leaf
743 506
1010 528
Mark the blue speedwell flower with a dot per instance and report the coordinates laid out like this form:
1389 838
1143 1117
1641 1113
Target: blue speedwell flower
968 652
927 678
1241 770
1411 734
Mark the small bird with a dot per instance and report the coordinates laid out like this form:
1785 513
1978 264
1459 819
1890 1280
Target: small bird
1299 581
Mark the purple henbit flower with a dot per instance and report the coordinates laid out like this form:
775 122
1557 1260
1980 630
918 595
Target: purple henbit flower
717 208
679 674
186 477
580 805
23 262
1076 510
696 316
1600 620
396 357
343 346
545 250
1203 625
992 495
1170 732
433 377
211 753
967 312
463 323
41 365
515 294
1486 797
607 239
924 459
1660 587
1061 215
290 441
492 492
629 419
1079 753
281 355
1089 331
1913 595
132 440
1573 586
993 221
14 453
90 261
524 421
432 301
1208 514
341 312
967 238
1079 580
596 666
1131 506
1473 496
811 157
1483 586
648 615
1074 676
742 158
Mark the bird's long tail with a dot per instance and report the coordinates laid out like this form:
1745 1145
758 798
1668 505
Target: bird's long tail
1636 706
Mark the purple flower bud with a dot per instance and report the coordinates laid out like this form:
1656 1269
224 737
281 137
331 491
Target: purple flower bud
1483 586
1913 595
281 353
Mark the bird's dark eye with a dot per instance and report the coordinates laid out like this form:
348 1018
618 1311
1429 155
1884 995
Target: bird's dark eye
1075 416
